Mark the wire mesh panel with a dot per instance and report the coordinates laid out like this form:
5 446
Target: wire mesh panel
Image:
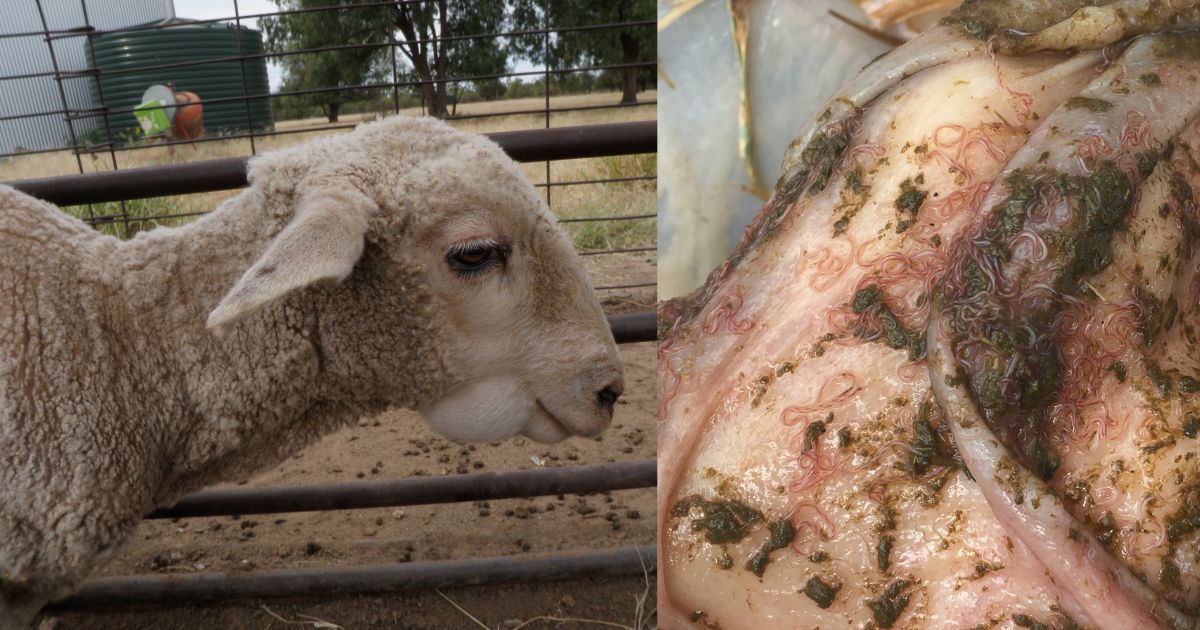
74 94
31 97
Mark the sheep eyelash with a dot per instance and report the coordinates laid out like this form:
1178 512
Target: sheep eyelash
497 254
464 247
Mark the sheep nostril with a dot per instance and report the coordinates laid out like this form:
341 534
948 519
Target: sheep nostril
607 397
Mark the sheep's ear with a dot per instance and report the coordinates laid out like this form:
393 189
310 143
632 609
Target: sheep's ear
323 242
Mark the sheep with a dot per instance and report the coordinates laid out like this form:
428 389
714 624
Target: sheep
404 264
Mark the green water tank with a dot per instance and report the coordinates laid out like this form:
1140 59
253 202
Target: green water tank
135 55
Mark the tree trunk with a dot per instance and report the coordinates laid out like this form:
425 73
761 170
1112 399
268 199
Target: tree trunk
428 89
429 92
331 112
416 54
629 54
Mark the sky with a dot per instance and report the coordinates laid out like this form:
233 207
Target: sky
211 9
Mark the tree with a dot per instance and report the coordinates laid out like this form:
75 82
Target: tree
333 68
434 62
416 28
619 45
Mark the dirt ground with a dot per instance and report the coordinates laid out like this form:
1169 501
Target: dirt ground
398 444
620 269
593 603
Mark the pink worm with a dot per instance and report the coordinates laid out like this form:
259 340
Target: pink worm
828 269
827 533
726 314
793 414
1025 100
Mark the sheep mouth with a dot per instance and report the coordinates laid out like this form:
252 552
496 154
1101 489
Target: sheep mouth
554 420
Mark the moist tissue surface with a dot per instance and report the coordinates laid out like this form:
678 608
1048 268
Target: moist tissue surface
950 377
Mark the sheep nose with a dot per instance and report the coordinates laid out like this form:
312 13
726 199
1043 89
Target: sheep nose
607 397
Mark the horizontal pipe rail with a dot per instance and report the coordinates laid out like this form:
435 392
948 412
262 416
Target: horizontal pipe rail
626 217
622 250
109 219
511 484
552 110
634 327
186 589
559 143
111 147
101 220
638 285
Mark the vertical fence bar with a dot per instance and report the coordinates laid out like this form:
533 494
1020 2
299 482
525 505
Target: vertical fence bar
424 104
433 69
237 15
439 70
58 79
87 21
62 94
395 71
546 86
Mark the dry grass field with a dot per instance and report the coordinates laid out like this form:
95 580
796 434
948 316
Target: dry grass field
567 202
616 199
63 162
399 445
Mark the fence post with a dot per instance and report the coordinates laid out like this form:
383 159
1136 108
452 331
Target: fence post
237 15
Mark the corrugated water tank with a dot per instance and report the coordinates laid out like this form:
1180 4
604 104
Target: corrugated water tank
129 63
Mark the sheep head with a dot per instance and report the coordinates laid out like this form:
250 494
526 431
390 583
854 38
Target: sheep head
511 337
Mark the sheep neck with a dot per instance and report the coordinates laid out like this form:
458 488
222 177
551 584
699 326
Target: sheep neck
279 379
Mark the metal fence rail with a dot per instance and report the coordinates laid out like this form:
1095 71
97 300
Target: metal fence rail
77 118
534 145
512 484
88 31
634 327
111 592
187 589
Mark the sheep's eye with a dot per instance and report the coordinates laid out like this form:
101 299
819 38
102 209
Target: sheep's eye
475 257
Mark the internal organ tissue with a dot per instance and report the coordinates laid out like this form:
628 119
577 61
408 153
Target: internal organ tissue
951 376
